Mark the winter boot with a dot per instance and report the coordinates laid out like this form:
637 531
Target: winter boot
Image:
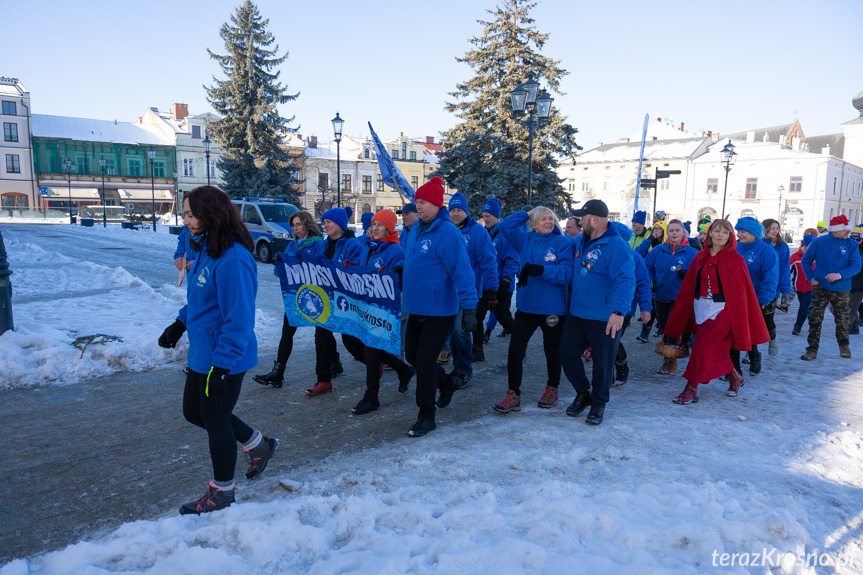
421 427
582 400
644 336
259 456
621 373
587 354
844 351
773 347
405 378
669 366
755 364
735 380
595 415
548 399
796 330
809 355
274 378
366 406
478 353
689 395
460 380
320 387
511 402
446 392
487 336
336 368
213 500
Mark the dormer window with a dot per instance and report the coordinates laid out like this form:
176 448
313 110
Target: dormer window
366 153
196 132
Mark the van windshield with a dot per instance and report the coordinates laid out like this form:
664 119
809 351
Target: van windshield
279 213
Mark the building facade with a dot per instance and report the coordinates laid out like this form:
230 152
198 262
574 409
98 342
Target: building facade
18 188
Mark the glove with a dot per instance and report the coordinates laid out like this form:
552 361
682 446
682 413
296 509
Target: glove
653 287
785 303
533 270
504 285
681 274
490 297
217 382
522 278
397 269
277 259
172 334
468 320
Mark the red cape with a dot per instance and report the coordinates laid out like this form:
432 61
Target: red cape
747 323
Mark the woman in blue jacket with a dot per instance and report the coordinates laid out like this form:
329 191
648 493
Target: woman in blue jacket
305 235
773 238
220 319
545 255
667 265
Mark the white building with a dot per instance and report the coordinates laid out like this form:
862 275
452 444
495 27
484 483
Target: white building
357 168
18 188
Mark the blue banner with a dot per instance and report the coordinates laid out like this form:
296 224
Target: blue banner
390 174
640 161
353 300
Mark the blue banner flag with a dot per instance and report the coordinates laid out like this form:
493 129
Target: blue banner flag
354 300
390 174
640 161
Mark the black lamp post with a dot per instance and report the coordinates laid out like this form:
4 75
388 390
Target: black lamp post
104 215
524 99
176 198
67 166
338 123
207 143
729 156
5 291
152 154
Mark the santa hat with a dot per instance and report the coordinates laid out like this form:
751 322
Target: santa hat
838 224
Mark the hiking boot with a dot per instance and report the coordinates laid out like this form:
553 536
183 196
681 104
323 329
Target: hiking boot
581 401
548 399
259 456
478 353
405 378
366 406
336 368
588 354
213 500
421 427
274 378
443 358
773 347
796 330
595 415
735 380
669 366
689 395
320 387
621 373
446 393
658 333
854 331
745 360
686 350
504 333
487 336
755 364
644 336
511 402
460 380
844 351
809 355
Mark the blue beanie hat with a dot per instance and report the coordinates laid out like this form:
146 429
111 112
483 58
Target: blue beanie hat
367 220
808 239
338 216
750 225
458 201
624 232
639 217
492 207
688 227
349 211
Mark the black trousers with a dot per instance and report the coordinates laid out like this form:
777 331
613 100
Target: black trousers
523 327
286 343
215 414
501 312
768 314
621 356
372 358
578 335
423 341
326 353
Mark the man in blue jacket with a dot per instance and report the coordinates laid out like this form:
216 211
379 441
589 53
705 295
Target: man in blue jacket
480 254
507 270
836 260
437 282
409 218
603 285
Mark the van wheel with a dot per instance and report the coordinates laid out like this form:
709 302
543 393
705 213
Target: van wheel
265 253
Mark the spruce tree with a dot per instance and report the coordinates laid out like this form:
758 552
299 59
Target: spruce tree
250 129
487 151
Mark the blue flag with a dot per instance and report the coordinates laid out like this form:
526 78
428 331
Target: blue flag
390 174
640 161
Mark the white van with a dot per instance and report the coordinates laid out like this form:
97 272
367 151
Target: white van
268 220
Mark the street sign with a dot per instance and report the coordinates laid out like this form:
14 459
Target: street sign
43 191
665 173
648 183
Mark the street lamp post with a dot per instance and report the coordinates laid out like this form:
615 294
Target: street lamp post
781 191
67 166
152 154
176 198
729 156
338 123
524 98
102 163
207 143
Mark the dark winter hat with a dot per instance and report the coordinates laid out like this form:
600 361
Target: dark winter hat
458 201
492 207
639 217
366 218
338 216
750 225
808 239
432 192
592 208
408 209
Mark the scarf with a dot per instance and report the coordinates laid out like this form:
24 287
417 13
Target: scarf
393 238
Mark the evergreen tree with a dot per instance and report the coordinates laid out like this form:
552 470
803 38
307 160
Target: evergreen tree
487 151
250 130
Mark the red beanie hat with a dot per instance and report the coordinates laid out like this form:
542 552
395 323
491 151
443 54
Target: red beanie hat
387 218
838 224
432 192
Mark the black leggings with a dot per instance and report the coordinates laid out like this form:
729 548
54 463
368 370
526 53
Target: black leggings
326 354
501 312
522 330
372 358
214 414
286 343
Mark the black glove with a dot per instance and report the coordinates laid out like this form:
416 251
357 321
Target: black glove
172 334
504 285
522 278
681 274
654 241
490 297
277 259
397 270
653 287
217 382
468 320
533 270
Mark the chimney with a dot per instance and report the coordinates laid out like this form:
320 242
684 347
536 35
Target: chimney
313 141
826 150
401 134
658 119
795 144
429 139
750 137
782 140
715 137
623 141
180 111
680 126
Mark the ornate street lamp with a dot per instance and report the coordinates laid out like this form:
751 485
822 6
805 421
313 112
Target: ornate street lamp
338 124
102 163
152 154
524 99
207 144
67 167
729 156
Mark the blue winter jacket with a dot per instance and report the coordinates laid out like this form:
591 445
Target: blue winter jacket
784 255
545 294
437 277
507 258
763 269
604 277
183 246
387 255
662 266
348 248
403 236
296 245
480 253
643 294
832 255
644 248
220 313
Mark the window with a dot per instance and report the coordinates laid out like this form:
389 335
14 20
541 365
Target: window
413 155
366 153
367 184
415 182
380 184
585 185
110 166
395 154
346 182
250 215
196 132
606 180
405 150
10 109
13 164
212 168
10 131
664 184
160 168
135 167
796 184
751 188
189 167
323 181
712 185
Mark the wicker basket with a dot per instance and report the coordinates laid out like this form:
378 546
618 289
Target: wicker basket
669 350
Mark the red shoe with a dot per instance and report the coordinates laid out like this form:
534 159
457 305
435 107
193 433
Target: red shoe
689 395
735 380
548 399
320 387
587 354
511 402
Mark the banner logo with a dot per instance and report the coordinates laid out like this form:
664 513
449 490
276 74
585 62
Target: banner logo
313 303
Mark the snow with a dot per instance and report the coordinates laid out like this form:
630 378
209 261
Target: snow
657 488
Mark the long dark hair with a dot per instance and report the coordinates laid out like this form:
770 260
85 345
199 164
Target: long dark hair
308 222
220 220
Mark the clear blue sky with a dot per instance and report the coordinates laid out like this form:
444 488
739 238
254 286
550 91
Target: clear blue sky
724 66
